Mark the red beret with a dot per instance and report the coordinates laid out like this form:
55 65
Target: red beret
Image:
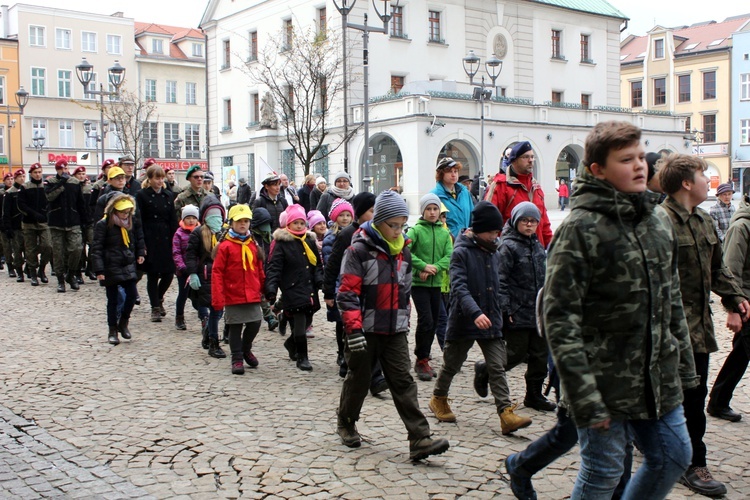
149 162
79 169
18 172
108 163
60 164
35 166
168 169
7 176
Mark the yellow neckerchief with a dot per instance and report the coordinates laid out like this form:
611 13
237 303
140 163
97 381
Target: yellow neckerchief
394 246
213 240
308 251
125 237
247 253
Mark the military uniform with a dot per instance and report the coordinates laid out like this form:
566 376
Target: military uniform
12 227
6 246
32 202
65 216
188 197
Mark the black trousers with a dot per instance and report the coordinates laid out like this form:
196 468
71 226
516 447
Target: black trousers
427 303
113 295
694 405
157 285
525 344
733 370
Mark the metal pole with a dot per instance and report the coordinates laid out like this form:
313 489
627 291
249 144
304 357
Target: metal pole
365 65
101 126
10 143
346 88
481 142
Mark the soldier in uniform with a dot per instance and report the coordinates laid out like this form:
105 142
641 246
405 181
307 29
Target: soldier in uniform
32 202
12 223
5 245
171 183
194 193
87 231
65 217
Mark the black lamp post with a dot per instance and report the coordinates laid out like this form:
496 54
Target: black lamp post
38 142
22 99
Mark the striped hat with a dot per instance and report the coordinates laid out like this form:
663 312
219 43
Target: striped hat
389 204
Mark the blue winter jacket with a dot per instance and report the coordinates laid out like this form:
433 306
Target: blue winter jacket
460 208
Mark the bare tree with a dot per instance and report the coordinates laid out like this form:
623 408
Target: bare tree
302 72
130 114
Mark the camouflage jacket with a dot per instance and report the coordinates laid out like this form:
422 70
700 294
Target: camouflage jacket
188 197
613 310
701 270
737 246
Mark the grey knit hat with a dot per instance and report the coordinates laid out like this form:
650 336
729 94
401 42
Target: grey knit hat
524 209
426 200
342 175
389 204
189 210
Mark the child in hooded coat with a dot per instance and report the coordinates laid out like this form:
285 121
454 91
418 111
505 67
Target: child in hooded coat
188 222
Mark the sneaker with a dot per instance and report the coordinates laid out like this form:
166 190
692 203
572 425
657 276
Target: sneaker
309 332
442 410
510 422
702 482
481 379
419 449
272 323
520 486
423 369
251 360
725 413
238 368
347 431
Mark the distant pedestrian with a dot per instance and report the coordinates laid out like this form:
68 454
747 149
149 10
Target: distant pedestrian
453 195
305 191
13 223
563 193
32 202
320 187
341 188
721 212
271 199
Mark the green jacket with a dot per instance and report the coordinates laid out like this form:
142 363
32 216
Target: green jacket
431 243
702 270
613 310
736 246
188 197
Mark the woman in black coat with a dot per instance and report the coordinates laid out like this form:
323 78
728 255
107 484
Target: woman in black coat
159 223
114 252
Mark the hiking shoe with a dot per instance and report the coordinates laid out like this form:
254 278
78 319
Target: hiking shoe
520 486
238 368
702 482
725 413
155 315
481 379
538 402
272 322
179 322
348 434
442 410
510 422
250 359
419 449
423 369
304 364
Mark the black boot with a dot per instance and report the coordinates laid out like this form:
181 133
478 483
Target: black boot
535 399
79 278
302 362
43 277
204 333
60 284
214 349
27 271
34 280
122 326
112 338
282 324
19 273
11 272
291 348
71 279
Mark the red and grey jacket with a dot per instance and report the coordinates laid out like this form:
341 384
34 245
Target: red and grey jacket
375 286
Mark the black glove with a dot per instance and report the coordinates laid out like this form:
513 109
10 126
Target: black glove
271 298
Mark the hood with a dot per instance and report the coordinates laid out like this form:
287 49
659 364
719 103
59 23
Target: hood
211 201
466 239
422 222
264 193
117 195
260 216
743 210
600 196
281 234
510 231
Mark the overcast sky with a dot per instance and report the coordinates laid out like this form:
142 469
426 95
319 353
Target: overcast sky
643 14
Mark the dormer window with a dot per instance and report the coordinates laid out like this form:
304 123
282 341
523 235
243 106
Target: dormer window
157 46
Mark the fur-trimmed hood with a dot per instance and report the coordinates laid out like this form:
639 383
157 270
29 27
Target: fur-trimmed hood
110 207
281 234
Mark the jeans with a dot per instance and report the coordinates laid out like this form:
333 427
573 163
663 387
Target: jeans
427 303
666 449
732 371
182 295
213 320
442 322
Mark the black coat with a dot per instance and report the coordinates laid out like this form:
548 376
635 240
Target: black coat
315 195
243 193
65 202
132 186
32 202
159 223
199 261
110 256
274 207
333 264
523 263
12 216
304 196
290 270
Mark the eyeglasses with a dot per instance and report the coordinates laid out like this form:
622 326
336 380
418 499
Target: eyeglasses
396 227
198 177
527 157
528 220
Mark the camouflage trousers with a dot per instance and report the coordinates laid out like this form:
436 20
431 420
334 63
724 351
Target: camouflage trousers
87 238
66 249
13 249
38 244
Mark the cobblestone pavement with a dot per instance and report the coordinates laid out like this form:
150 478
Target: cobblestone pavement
156 417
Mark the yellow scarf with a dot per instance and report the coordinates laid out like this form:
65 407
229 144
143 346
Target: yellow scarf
247 253
308 251
125 237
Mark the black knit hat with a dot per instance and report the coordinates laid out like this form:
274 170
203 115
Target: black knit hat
362 202
486 217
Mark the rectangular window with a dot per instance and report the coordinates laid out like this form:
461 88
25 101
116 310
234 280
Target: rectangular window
744 131
745 86
659 48
197 50
322 21
253 46
660 91
688 124
434 20
171 91
683 82
91 142
157 46
2 91
192 140
585 101
92 86
151 90
114 44
586 49
66 134
397 21
557 44
227 114
227 54
709 85
171 135
557 96
37 36
636 94
113 136
150 140
288 34
2 140
254 109
62 39
38 81
39 128
397 83
191 94
287 163
321 161
709 128
88 41
63 83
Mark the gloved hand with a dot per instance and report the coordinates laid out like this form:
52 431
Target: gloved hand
356 342
195 281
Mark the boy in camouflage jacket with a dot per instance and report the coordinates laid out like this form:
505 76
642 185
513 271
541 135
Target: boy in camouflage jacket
615 322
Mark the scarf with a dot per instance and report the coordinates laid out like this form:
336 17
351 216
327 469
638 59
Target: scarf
301 235
213 222
394 247
124 225
187 228
244 242
346 194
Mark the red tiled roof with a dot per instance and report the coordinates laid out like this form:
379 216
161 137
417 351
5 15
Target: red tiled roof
688 40
175 33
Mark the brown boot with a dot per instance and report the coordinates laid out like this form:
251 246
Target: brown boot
155 315
510 422
442 410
